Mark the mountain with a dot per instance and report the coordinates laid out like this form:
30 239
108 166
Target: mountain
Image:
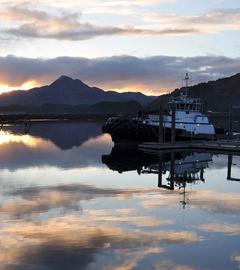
217 95
66 90
100 108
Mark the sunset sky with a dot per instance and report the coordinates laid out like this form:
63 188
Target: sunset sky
136 45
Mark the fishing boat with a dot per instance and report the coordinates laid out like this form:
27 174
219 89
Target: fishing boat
187 113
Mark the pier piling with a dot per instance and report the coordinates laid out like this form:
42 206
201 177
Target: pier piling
173 126
160 139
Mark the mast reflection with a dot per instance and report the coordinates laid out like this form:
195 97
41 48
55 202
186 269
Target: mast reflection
175 170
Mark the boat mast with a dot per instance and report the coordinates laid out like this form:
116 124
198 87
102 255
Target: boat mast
186 79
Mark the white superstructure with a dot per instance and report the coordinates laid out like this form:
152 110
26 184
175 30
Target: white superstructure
189 116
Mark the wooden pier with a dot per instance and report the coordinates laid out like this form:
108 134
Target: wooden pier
220 145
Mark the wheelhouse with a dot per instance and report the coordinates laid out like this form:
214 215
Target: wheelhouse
183 103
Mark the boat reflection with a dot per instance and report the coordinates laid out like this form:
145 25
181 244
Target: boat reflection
188 169
178 168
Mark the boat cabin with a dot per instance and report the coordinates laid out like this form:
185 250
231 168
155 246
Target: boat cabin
184 103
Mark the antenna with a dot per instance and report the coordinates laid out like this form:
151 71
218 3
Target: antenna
186 79
191 79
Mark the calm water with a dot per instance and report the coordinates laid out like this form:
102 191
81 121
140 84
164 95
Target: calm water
69 200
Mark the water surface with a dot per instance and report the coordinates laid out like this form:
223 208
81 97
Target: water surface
69 199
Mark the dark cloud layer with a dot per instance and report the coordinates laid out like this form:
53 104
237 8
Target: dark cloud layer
152 74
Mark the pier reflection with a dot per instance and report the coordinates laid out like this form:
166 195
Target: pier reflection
188 170
178 166
173 169
229 173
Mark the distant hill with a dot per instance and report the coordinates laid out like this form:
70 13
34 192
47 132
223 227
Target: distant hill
66 90
217 95
101 108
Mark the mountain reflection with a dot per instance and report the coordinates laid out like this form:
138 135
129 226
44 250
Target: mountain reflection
63 135
63 145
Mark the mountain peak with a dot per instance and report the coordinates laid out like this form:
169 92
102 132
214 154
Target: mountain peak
64 78
66 81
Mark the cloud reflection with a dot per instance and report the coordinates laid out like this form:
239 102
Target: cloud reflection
72 241
221 228
25 202
226 203
69 240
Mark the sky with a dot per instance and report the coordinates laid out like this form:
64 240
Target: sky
135 45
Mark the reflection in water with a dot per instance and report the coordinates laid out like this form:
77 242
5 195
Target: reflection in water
8 137
28 150
181 167
63 135
62 208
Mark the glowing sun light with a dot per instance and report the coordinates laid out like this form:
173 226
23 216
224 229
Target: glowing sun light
25 86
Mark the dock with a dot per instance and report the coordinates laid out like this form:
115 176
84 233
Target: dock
49 117
219 145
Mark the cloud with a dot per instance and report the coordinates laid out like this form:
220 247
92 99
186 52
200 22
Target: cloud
93 3
51 20
212 21
155 74
27 22
122 7
85 31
